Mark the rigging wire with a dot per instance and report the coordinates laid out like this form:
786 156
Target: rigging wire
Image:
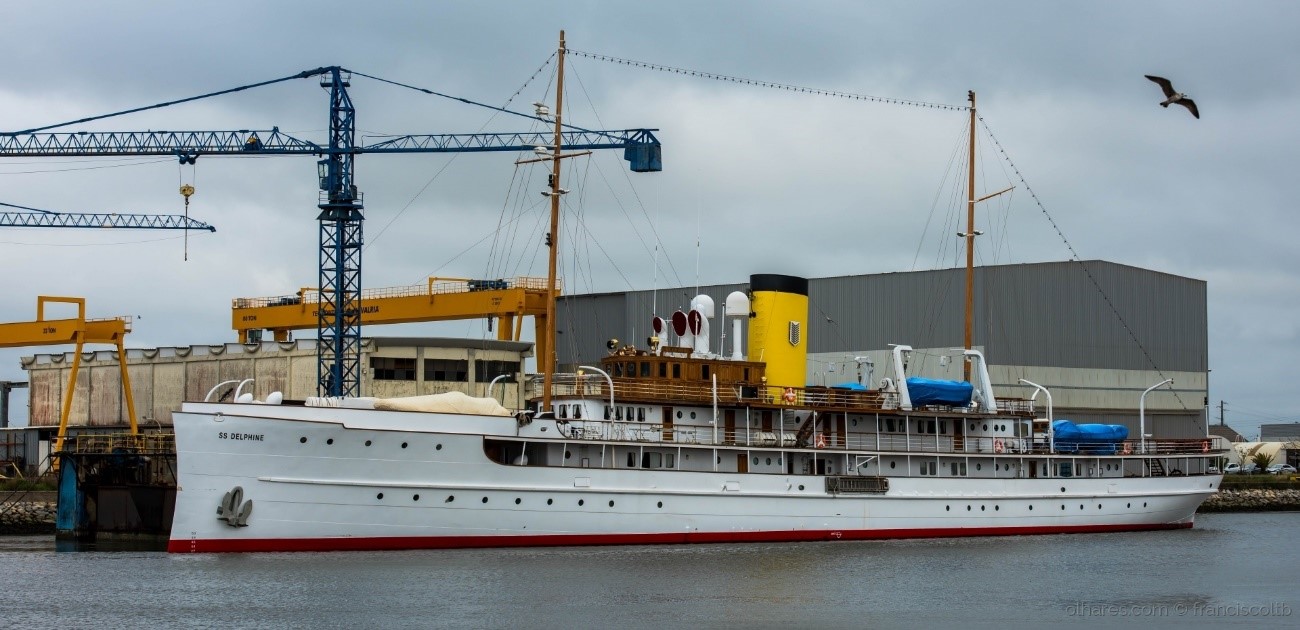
1074 257
767 84
370 241
639 203
137 162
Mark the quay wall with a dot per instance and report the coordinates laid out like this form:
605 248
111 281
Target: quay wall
27 513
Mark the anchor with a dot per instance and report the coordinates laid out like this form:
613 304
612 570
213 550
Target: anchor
234 510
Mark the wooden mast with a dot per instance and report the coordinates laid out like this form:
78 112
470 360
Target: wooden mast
970 238
546 346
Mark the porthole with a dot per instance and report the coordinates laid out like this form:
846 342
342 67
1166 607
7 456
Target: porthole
1144 504
855 422
1062 506
981 508
679 414
415 498
1128 505
1006 467
979 466
450 498
367 442
517 500
893 464
567 454
438 447
1031 508
580 502
485 499
661 504
329 441
302 440
801 486
692 415
1080 506
769 461
778 461
611 504
379 496
719 459
968 508
947 508
1098 506
550 501
997 508
403 444
755 461
986 427
1062 488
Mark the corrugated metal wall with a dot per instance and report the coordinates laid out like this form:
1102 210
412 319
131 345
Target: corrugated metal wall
1047 314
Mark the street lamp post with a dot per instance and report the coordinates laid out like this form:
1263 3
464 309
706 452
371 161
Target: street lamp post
1142 415
1051 433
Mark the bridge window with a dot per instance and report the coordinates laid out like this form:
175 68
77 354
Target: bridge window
449 370
704 372
392 369
485 371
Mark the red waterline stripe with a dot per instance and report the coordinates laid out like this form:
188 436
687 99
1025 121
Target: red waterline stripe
216 545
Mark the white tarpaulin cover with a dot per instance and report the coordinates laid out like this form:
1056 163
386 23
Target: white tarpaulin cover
450 402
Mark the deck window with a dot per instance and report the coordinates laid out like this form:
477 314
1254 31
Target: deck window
663 370
677 370
645 369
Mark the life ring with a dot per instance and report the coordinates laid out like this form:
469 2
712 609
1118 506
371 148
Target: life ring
998 446
788 396
1205 446
1128 448
820 442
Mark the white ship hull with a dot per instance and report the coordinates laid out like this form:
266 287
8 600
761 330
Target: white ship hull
341 479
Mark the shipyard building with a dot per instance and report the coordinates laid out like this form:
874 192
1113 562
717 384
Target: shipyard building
1096 334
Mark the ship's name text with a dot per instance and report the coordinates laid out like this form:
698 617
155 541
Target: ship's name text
256 437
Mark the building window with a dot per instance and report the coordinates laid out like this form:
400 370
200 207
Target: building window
392 369
485 371
447 370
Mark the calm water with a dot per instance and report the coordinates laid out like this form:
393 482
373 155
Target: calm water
1232 568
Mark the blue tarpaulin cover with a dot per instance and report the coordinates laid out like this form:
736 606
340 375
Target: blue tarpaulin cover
857 387
1099 439
929 391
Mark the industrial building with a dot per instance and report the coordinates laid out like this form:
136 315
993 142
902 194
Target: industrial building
1096 334
162 378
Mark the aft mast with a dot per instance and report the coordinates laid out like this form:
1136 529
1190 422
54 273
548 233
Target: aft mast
970 235
970 238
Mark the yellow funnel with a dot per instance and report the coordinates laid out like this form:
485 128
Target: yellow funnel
778 330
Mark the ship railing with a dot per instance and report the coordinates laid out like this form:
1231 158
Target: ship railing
703 393
833 440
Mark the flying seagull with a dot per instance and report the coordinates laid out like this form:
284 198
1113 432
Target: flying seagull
1173 96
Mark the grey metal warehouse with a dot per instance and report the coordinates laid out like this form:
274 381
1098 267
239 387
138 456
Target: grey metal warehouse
1096 334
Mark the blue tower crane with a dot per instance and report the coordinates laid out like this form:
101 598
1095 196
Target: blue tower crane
340 204
32 217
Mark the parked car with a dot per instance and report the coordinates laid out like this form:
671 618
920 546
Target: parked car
1281 469
1249 469
1232 469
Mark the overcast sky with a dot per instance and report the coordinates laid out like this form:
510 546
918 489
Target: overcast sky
771 181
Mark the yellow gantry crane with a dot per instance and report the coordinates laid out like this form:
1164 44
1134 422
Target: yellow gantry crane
79 331
439 299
